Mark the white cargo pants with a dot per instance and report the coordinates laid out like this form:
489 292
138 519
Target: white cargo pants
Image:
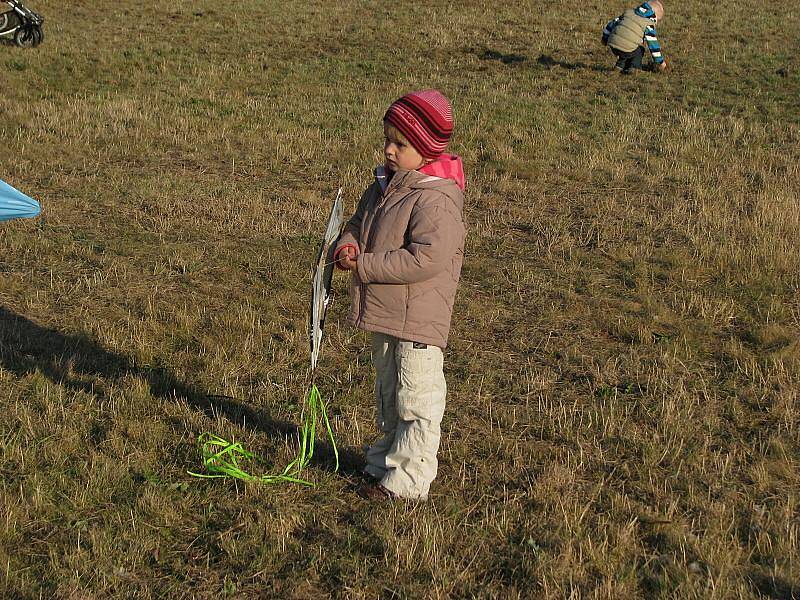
410 393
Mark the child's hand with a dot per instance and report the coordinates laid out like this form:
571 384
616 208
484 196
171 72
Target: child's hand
663 66
348 258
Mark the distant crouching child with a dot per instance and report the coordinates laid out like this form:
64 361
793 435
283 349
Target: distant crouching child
630 32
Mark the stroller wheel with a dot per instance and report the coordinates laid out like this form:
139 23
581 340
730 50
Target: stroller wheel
24 37
8 21
38 35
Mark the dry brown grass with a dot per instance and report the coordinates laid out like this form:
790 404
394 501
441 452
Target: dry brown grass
625 362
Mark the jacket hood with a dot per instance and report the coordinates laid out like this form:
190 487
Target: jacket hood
447 166
419 181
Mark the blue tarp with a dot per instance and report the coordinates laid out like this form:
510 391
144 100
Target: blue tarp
16 205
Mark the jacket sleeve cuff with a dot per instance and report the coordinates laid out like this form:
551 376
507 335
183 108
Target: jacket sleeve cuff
362 269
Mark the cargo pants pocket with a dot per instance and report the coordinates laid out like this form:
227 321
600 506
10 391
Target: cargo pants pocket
383 359
421 388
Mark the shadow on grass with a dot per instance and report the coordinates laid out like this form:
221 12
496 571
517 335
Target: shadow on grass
74 361
506 59
548 61
544 60
773 588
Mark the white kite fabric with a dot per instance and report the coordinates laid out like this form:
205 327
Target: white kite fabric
16 205
223 458
323 275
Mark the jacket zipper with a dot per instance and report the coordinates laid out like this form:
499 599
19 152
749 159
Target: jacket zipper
363 286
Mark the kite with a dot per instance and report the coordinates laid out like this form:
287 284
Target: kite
323 274
221 458
16 205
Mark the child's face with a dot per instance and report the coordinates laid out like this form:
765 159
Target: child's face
658 8
398 153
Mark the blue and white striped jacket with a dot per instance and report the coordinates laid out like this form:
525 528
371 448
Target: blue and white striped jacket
650 37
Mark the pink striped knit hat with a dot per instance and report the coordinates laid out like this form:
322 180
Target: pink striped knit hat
425 118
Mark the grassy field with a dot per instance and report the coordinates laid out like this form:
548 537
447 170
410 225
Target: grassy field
624 369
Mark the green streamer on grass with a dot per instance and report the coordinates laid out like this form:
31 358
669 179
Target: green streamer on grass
222 458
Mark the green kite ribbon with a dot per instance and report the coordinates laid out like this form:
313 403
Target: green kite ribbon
221 458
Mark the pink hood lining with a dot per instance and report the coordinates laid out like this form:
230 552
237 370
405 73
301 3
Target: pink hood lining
447 166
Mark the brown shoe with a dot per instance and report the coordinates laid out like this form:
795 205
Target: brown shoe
376 493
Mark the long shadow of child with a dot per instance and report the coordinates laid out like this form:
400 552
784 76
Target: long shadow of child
76 362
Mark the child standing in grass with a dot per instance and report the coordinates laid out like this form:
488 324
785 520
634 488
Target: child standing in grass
405 246
627 34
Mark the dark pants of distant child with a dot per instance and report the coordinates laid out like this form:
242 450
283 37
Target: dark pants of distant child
628 61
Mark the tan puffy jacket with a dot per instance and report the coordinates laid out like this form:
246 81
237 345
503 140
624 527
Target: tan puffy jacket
410 237
629 33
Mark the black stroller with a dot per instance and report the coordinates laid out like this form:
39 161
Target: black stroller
22 25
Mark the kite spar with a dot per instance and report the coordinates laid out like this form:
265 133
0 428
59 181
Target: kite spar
16 205
321 295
